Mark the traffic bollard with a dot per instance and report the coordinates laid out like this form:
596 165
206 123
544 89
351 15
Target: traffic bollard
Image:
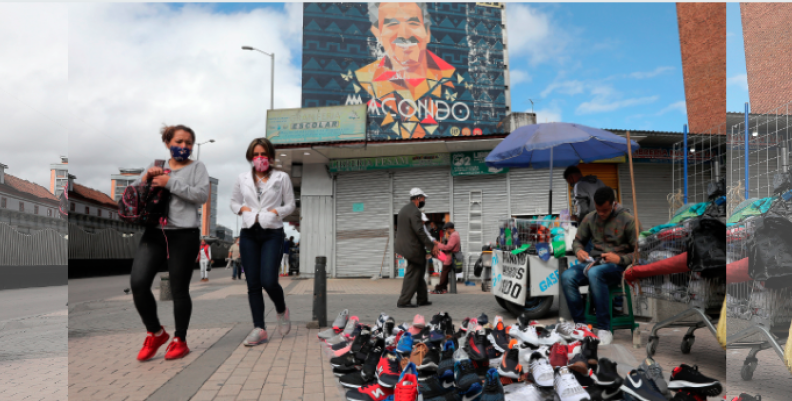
452 279
320 292
165 288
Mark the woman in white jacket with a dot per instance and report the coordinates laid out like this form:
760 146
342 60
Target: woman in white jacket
263 196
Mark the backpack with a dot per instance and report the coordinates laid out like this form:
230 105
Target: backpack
143 204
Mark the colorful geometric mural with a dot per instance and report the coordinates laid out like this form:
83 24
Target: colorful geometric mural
423 69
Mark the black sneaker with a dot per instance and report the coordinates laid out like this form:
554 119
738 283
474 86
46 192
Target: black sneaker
466 380
483 320
476 347
510 365
481 367
589 347
640 387
585 380
432 387
445 369
499 338
343 371
607 394
356 380
746 397
493 389
431 361
685 377
688 396
447 324
605 374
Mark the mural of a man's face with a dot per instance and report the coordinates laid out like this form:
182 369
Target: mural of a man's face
403 34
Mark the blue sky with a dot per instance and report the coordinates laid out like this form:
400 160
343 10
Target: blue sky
604 65
736 74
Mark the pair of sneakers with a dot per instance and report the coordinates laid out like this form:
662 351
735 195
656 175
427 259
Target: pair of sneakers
176 349
259 335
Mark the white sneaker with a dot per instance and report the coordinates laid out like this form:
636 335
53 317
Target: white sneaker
527 393
284 323
528 335
605 337
344 335
256 337
567 387
338 324
551 339
460 354
541 370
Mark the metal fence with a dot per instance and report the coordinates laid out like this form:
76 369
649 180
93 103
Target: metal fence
42 248
102 244
754 163
697 161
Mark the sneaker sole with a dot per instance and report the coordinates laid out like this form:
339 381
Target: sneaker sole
510 375
711 389
247 344
633 394
612 383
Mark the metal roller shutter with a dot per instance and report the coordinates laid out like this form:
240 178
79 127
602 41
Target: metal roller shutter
652 186
434 182
359 235
529 191
495 205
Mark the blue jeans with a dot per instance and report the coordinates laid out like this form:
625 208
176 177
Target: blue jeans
237 269
262 250
598 280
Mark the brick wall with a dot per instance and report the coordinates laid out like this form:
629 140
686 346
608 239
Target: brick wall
767 30
702 37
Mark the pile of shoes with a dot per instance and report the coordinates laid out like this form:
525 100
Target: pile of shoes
432 361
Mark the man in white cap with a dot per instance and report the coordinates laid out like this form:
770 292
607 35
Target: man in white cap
412 242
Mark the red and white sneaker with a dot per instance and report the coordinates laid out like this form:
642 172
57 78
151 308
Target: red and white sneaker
559 355
407 387
389 369
152 344
574 349
177 349
372 392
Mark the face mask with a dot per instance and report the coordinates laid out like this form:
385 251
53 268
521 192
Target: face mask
421 204
180 154
261 163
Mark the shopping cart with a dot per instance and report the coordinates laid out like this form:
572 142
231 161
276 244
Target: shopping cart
762 316
702 296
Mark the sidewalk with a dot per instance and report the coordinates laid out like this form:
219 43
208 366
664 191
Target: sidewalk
33 350
104 337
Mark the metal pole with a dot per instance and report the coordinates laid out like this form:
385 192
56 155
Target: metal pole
747 154
685 162
272 83
550 207
198 153
320 292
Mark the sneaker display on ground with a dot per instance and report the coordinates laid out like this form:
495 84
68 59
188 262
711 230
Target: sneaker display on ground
493 389
605 337
605 374
405 344
589 347
417 355
367 374
541 370
151 344
640 387
574 349
177 349
351 330
579 364
476 347
482 367
550 338
747 397
432 387
690 396
611 394
445 369
483 320
510 365
498 337
418 324
525 334
407 387
431 360
559 355
257 336
343 371
567 388
284 323
372 392
389 369
686 377
584 379
338 325
466 380
528 393
655 373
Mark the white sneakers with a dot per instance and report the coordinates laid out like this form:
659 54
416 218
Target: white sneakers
541 370
284 323
567 387
551 339
256 337
527 335
527 393
344 335
605 337
339 322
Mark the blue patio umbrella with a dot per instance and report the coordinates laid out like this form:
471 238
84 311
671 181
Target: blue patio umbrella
556 145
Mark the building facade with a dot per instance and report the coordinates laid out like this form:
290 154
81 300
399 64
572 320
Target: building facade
768 51
94 210
119 182
207 213
59 176
26 206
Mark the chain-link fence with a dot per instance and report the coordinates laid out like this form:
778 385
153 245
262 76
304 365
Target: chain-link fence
696 163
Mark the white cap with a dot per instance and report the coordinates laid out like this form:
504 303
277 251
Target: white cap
424 218
417 192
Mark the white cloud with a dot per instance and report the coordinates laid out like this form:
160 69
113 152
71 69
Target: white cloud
651 74
518 77
549 115
599 104
534 33
680 106
572 87
34 88
133 67
740 81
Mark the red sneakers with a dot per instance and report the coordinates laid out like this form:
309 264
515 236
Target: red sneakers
559 355
407 387
152 344
177 349
372 392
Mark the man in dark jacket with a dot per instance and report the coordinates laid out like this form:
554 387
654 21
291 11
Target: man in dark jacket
583 189
412 243
611 230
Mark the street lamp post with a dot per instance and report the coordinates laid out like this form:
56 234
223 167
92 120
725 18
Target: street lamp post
198 154
272 73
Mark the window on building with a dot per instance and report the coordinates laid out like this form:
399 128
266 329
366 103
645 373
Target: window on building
87 210
49 212
3 203
60 174
21 206
99 212
72 207
35 209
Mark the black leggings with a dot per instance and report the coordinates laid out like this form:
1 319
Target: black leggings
183 246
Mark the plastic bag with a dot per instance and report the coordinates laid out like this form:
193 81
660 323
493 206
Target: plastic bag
770 251
707 247
721 330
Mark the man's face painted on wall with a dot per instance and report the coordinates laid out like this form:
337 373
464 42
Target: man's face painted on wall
403 34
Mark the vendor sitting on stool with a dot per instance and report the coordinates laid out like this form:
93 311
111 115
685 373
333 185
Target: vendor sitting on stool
611 229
